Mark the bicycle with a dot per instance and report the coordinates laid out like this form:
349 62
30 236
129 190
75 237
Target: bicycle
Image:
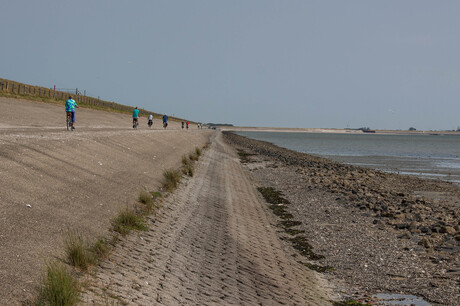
69 121
135 123
150 123
165 124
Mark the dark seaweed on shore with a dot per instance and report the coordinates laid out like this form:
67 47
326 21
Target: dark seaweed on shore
277 204
244 156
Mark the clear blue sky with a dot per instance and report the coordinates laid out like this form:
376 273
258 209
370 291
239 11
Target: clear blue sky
383 64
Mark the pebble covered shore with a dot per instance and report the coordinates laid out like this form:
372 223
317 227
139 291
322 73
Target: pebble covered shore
378 232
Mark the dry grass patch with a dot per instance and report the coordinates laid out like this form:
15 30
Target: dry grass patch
197 151
127 220
189 170
193 156
100 249
77 251
185 161
146 199
171 179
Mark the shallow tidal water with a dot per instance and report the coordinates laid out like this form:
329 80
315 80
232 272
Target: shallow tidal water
400 299
428 156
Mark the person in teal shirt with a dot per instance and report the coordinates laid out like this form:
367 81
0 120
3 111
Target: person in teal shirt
70 105
135 115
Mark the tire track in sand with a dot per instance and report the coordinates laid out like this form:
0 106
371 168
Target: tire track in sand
211 243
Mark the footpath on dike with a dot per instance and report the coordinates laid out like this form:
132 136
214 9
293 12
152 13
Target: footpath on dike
213 242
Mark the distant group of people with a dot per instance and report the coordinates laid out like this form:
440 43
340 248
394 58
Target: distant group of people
187 123
149 118
71 104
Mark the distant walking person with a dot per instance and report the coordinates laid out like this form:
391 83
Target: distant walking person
182 124
70 105
187 124
135 117
165 121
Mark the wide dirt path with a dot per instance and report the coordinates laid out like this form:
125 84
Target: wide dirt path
52 180
212 242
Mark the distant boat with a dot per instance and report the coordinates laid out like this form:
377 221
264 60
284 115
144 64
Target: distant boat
368 131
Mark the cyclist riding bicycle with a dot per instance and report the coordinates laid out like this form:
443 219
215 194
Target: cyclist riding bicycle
135 117
150 118
70 105
165 121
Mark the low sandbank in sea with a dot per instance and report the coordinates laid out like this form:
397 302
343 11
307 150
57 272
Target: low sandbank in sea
332 131
369 232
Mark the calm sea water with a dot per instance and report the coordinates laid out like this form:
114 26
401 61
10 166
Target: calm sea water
432 156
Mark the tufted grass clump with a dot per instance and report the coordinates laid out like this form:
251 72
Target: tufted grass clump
146 199
100 248
127 220
59 287
197 151
189 170
171 179
77 251
185 161
193 156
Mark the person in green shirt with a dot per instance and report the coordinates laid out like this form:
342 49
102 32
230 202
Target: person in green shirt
135 117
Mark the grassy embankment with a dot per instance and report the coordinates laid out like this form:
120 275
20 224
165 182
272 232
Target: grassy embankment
17 90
